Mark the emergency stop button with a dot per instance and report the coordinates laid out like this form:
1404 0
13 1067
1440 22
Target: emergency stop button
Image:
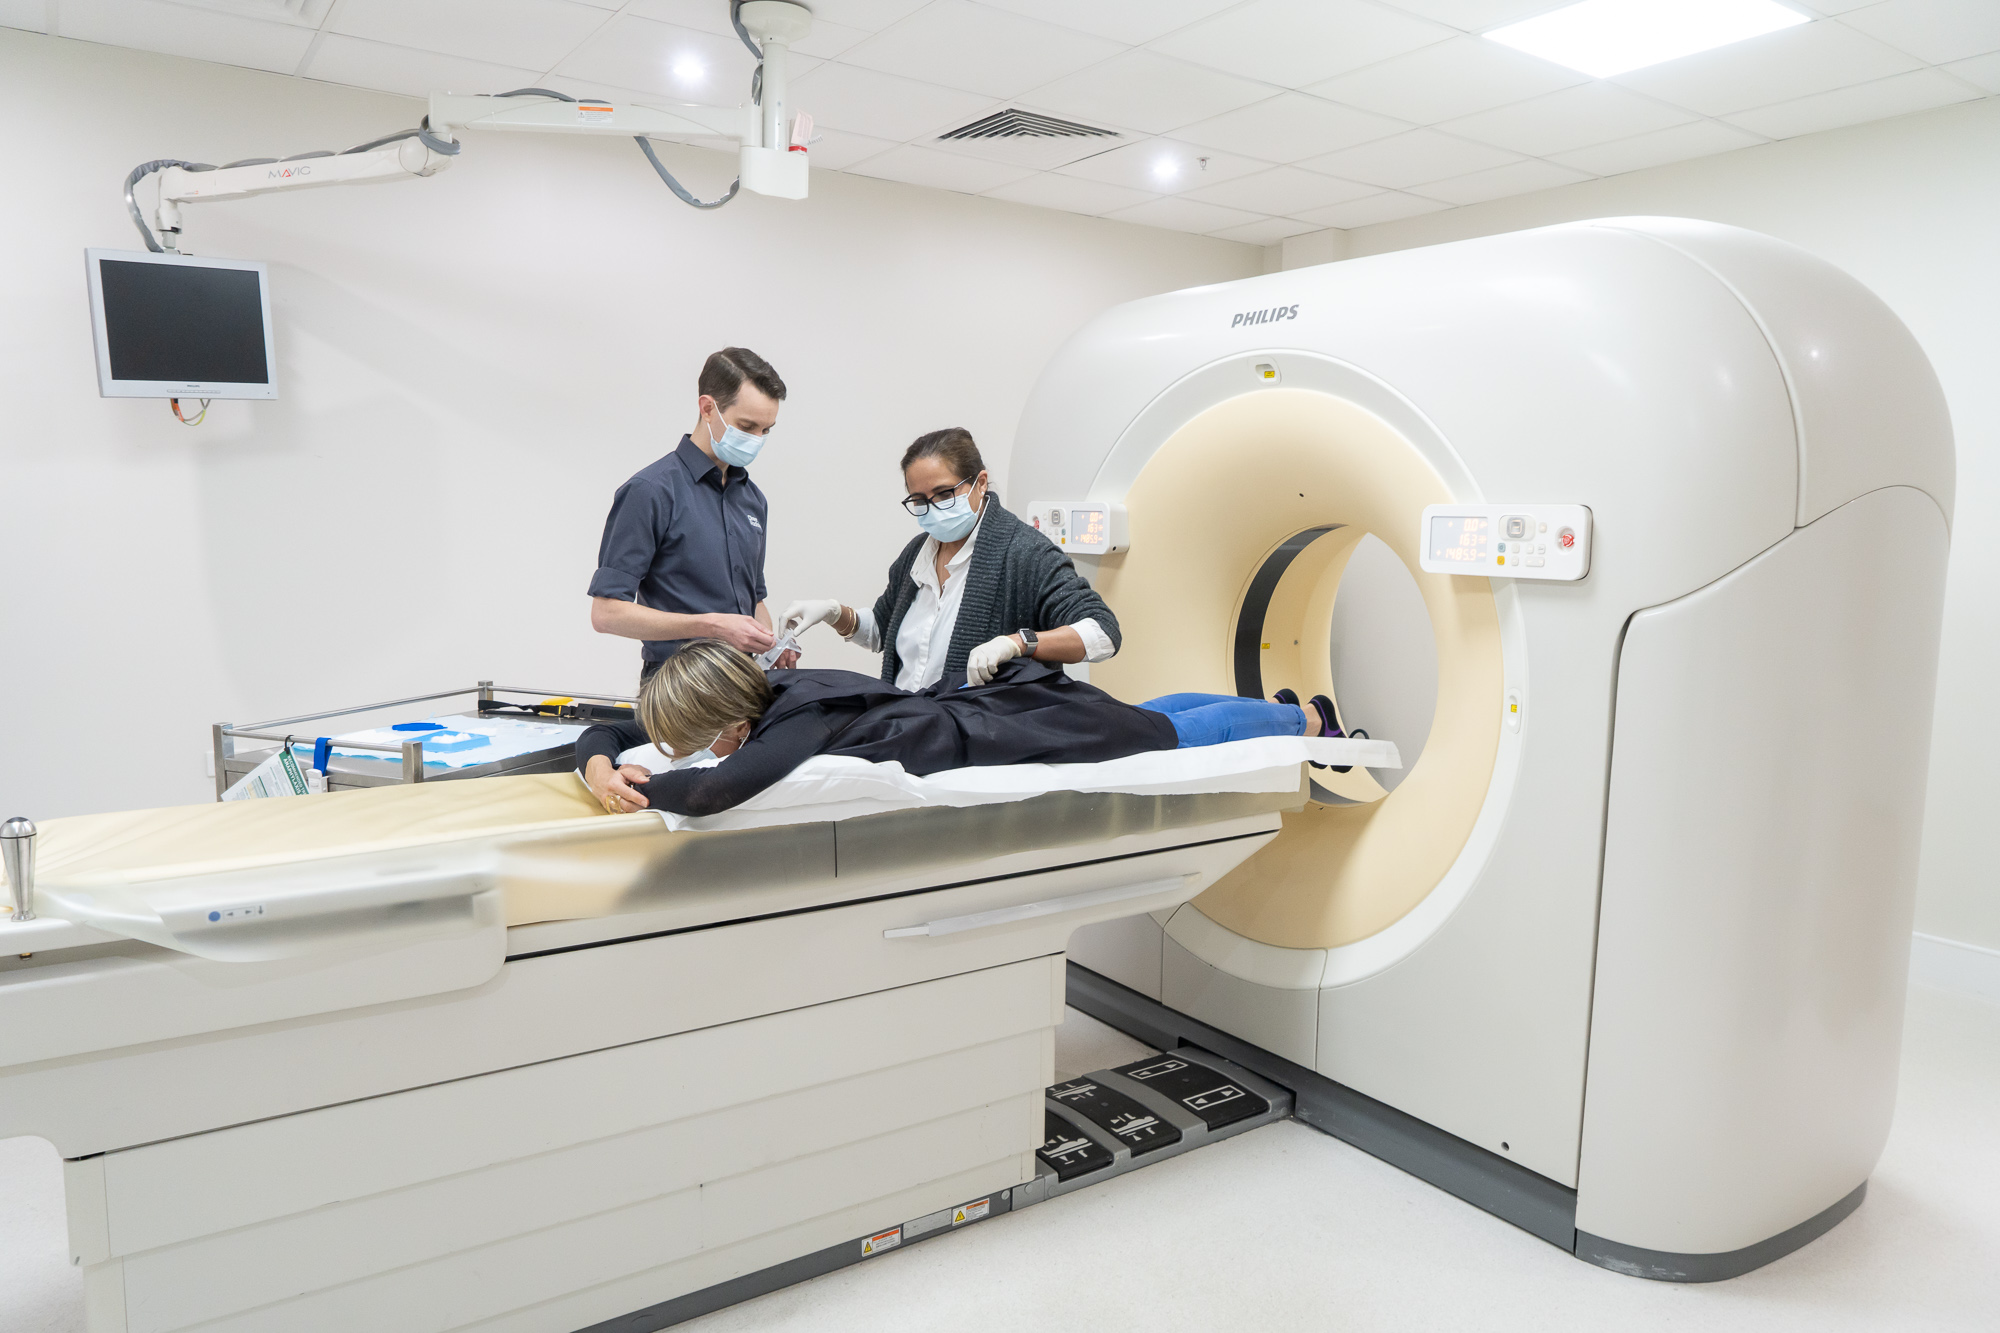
1566 538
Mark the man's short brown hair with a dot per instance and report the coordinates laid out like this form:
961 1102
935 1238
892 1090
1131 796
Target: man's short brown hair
723 374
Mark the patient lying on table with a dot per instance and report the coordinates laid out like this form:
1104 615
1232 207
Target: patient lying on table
711 698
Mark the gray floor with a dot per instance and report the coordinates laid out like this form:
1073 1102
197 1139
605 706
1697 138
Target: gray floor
1286 1228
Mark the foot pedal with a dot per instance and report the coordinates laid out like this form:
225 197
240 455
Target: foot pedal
1068 1151
1209 1093
1137 1128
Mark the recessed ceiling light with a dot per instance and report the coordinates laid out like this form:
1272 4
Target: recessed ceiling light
1166 169
1606 37
689 70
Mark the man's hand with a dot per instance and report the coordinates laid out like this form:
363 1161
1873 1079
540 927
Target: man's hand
614 787
988 657
801 616
743 632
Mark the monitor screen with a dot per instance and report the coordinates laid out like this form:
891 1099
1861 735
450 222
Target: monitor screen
170 326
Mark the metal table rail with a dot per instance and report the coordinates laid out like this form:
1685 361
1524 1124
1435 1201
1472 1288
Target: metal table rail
579 708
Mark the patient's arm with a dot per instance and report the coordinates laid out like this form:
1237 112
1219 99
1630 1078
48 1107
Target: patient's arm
758 763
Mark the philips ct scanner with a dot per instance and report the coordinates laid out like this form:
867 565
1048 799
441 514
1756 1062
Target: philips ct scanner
1629 535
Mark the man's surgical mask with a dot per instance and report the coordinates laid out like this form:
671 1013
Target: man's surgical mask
737 448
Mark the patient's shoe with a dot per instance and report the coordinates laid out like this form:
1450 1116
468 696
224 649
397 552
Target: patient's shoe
1329 727
1286 697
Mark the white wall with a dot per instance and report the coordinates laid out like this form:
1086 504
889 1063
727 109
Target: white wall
1908 206
469 366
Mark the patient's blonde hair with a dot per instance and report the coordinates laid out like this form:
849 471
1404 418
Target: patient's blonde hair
701 691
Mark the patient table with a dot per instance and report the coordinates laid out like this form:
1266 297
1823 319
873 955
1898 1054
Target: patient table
477 1055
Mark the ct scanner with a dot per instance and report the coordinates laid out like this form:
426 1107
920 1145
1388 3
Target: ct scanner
1633 929
1619 955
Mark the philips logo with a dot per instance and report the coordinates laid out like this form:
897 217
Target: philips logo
286 173
1271 316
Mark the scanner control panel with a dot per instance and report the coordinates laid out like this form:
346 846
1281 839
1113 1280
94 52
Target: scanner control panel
1512 541
1081 527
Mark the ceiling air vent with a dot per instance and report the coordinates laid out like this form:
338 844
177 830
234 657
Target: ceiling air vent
1016 124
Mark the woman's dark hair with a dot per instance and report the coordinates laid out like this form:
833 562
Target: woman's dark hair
722 376
954 445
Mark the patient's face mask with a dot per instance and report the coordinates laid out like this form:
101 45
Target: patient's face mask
737 448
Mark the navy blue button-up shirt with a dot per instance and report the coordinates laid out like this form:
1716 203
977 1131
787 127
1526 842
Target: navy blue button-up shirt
684 535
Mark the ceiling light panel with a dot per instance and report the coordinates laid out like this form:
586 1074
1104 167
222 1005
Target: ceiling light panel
1449 79
531 34
982 50
1297 42
1409 159
1289 127
1573 118
1163 166
1780 67
1607 37
1149 93
398 69
1934 30
1133 22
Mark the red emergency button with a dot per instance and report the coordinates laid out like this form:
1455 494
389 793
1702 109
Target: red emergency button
1566 539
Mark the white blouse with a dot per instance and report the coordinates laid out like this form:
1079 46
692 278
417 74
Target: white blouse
924 637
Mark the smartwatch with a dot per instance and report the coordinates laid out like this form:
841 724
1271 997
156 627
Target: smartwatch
1028 642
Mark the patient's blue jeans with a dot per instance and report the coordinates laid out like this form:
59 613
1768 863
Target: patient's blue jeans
1211 719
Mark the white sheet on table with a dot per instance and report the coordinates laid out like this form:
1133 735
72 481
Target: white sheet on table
838 787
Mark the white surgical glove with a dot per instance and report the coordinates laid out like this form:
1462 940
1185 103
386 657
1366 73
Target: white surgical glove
988 657
800 616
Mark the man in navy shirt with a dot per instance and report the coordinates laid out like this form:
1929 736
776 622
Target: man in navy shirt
683 550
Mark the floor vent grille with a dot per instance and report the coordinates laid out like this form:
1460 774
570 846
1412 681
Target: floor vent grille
1016 124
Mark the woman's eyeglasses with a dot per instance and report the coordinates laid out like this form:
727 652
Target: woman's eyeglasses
946 499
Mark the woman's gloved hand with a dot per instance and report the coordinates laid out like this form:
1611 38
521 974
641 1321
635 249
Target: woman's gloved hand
800 616
988 658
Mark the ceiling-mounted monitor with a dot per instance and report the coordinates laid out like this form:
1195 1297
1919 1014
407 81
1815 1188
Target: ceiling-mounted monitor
172 326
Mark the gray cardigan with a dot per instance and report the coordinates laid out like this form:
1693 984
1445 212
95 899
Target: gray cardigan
1016 579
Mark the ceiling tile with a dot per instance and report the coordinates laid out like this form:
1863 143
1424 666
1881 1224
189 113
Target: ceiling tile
826 40
1409 159
1678 144
1919 90
1777 67
1933 30
1499 182
1982 71
1478 15
941 171
867 15
1143 91
1297 42
665 60
1385 207
961 45
1281 190
882 105
1184 215
1573 118
31 15
398 69
145 25
1831 7
1163 166
1268 232
1046 189
1289 127
298 13
1130 21
531 34
837 150
1454 78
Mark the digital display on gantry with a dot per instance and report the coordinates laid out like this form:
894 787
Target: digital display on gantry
1090 527
1465 539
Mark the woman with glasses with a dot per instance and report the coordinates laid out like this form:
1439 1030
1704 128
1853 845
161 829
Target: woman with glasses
975 588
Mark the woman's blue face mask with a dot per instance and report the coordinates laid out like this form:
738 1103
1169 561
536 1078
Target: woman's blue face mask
948 525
